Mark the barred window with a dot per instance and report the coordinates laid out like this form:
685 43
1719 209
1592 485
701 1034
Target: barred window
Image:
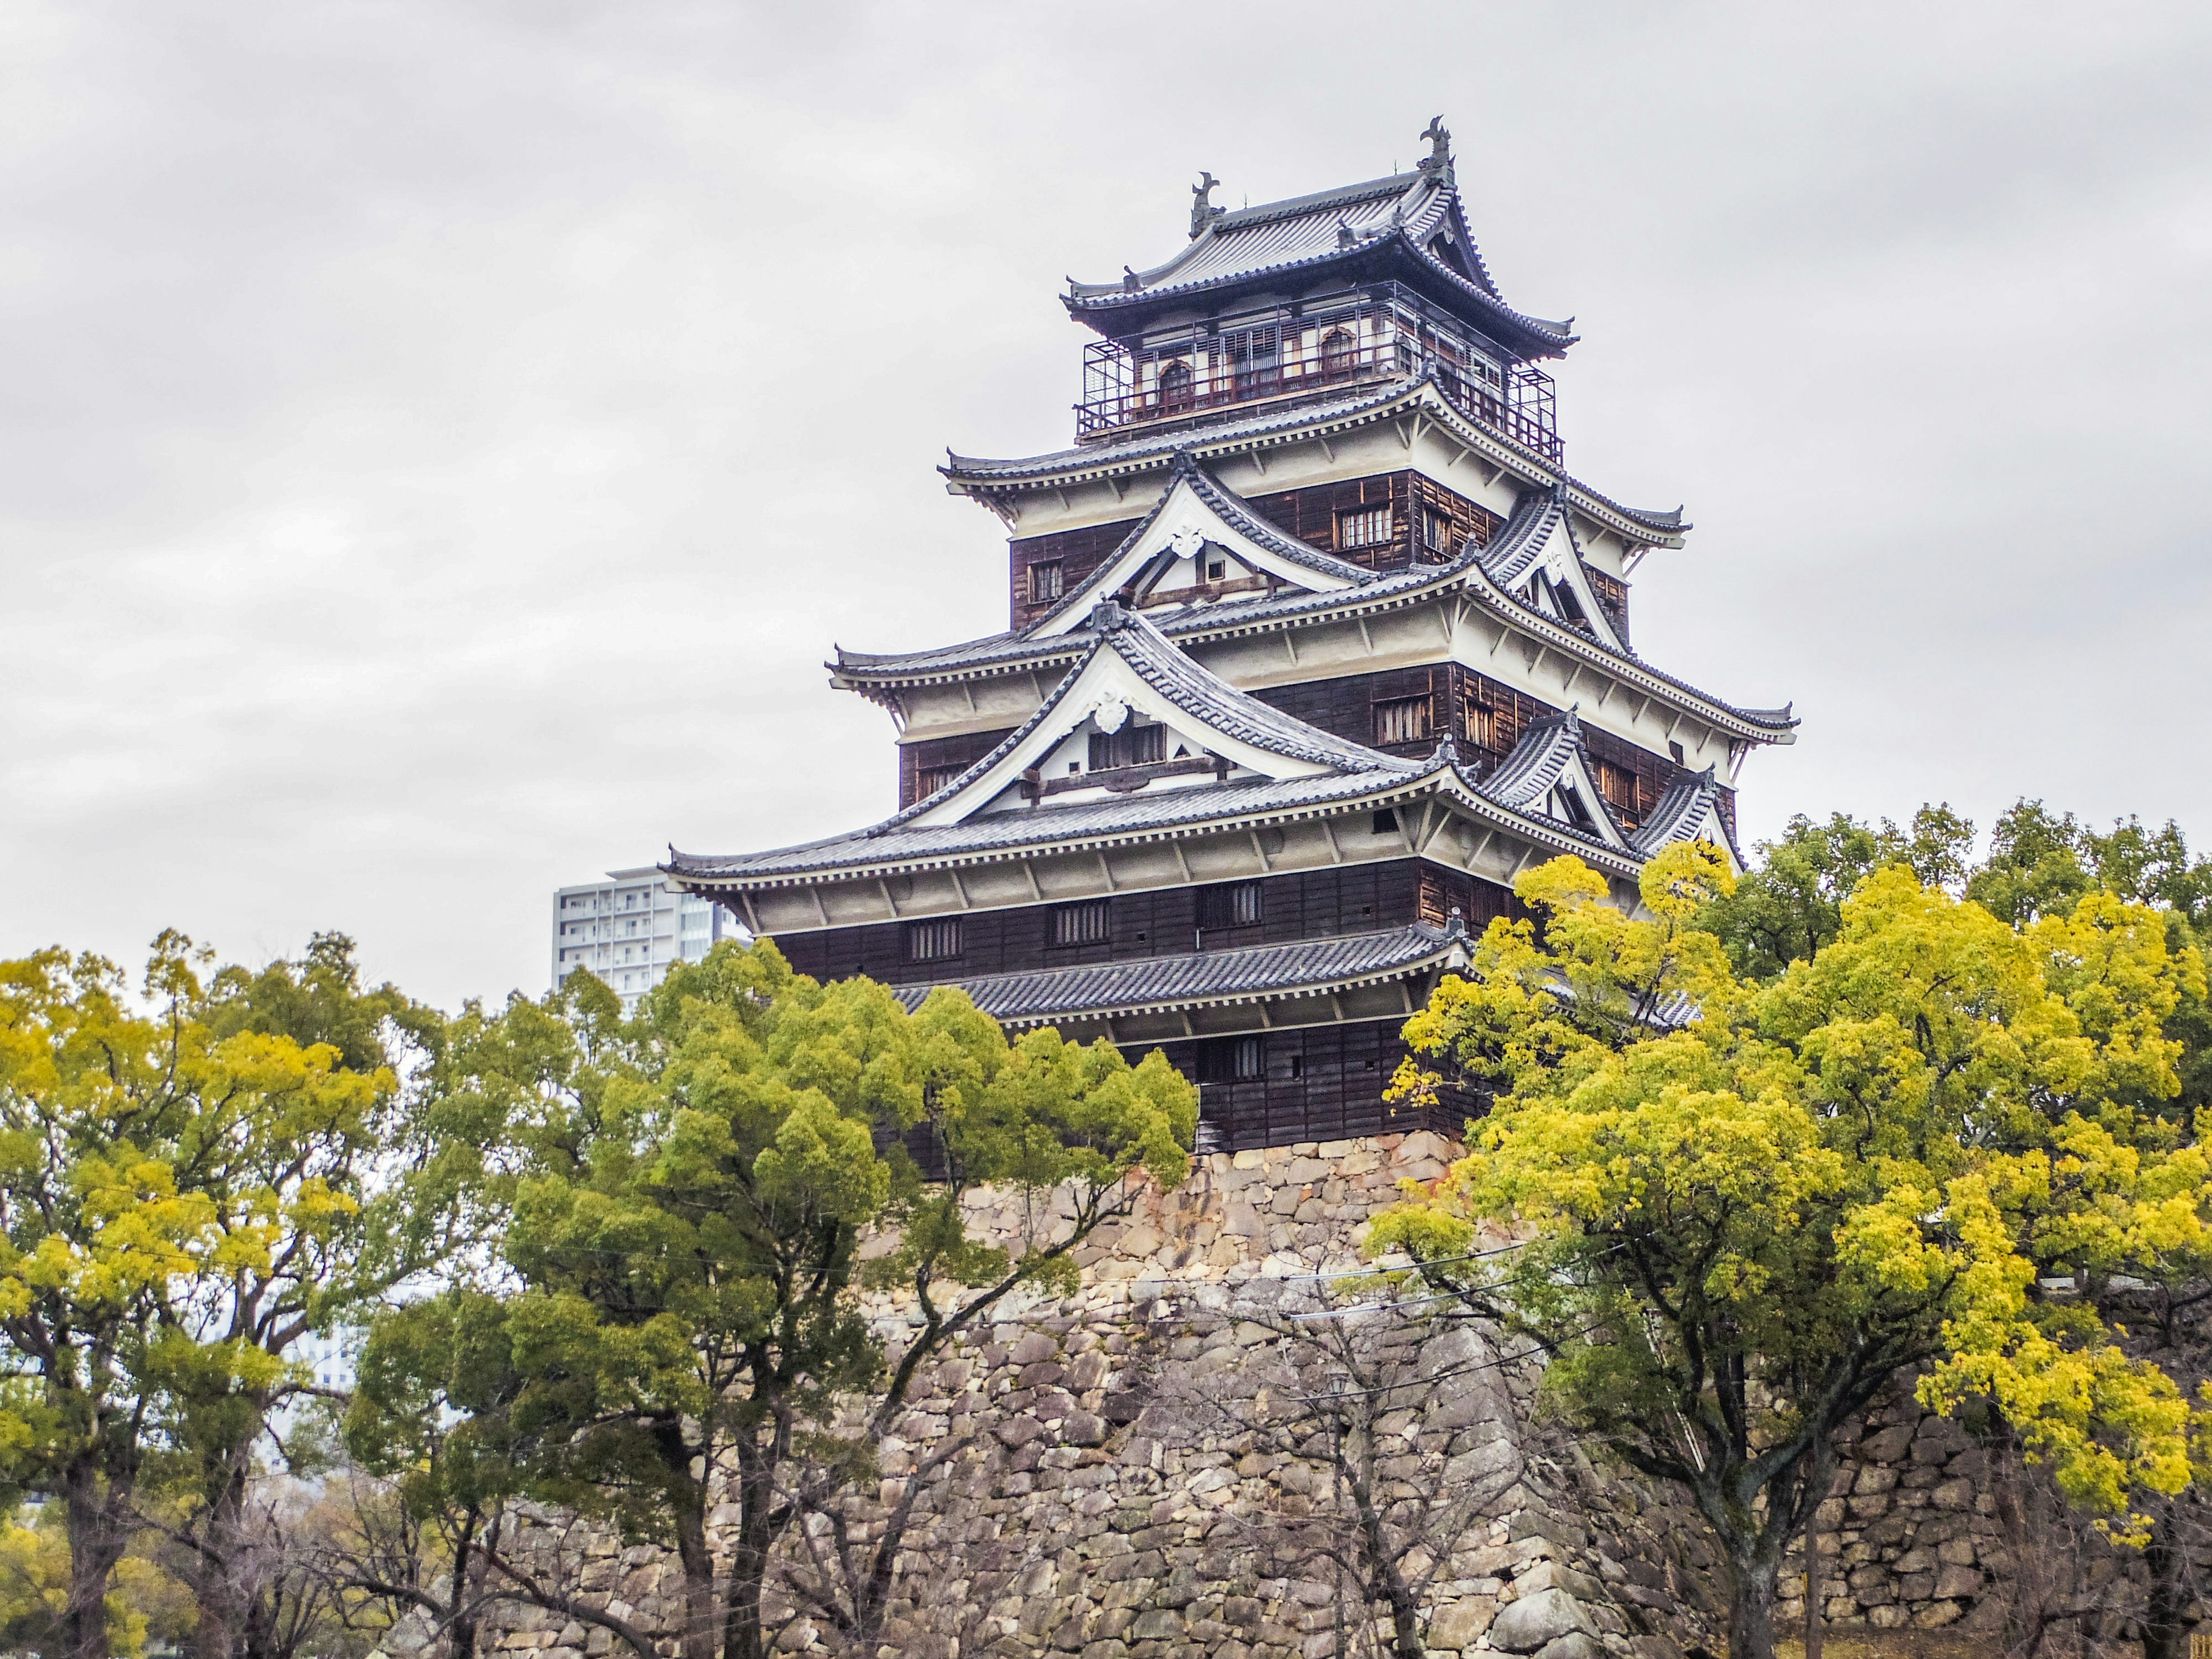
932 941
928 779
1045 580
1489 726
1133 745
1231 1059
1366 527
1401 720
1436 531
1234 904
1617 784
1087 923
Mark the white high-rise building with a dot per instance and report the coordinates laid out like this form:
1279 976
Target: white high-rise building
630 928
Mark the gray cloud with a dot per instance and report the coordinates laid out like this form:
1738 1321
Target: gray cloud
440 441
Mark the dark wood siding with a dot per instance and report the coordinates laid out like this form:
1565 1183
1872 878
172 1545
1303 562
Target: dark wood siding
1322 1083
1612 593
1457 697
1311 513
1311 904
935 754
1080 552
1346 705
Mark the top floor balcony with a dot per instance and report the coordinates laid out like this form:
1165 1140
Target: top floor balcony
1320 349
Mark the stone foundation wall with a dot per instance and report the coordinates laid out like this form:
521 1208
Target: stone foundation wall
1111 1504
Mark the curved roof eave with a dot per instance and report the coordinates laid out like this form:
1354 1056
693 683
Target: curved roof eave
1444 776
983 476
1552 336
1775 726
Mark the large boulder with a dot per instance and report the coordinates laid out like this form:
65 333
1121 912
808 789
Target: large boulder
1462 1623
1535 1621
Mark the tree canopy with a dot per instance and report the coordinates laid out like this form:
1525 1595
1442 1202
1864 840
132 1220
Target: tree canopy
1748 1201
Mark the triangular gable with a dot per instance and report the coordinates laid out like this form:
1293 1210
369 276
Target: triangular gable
1131 679
1689 810
1542 566
1198 525
1549 774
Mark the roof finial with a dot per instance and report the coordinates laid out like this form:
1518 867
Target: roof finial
1439 156
1202 210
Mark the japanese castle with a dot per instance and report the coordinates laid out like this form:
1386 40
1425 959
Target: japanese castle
1313 645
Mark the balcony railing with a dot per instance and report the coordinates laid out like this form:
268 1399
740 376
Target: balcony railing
1282 357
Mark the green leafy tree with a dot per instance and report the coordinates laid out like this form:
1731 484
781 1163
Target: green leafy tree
430 1502
1748 1205
1791 904
307 1216
99 1091
689 1194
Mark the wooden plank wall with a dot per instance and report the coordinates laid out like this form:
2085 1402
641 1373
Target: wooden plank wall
1309 904
1308 514
1080 552
915 758
1323 1082
1345 706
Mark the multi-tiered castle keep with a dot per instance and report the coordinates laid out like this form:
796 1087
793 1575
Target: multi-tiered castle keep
1313 645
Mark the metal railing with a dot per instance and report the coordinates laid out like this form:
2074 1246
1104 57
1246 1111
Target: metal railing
1284 355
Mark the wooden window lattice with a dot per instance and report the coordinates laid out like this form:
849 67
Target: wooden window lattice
1401 720
1086 923
932 941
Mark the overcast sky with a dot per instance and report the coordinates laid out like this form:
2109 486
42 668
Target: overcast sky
440 441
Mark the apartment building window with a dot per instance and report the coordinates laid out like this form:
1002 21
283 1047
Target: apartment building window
1133 745
1366 527
1233 905
1045 580
1401 720
1087 923
932 941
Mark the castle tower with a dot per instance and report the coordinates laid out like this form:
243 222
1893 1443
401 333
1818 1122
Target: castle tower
1313 645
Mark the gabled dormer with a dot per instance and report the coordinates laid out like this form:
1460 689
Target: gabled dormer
1136 714
1539 562
1199 544
1691 810
1549 774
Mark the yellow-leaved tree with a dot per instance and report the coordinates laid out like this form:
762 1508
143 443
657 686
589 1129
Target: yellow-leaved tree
186 1177
1747 1205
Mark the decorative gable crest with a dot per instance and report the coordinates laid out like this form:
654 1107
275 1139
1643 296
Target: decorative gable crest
1199 541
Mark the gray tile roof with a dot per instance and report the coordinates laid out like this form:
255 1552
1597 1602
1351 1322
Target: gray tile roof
1401 214
1679 813
1212 702
1351 408
1164 984
1524 777
893 844
1138 446
1486 570
1233 511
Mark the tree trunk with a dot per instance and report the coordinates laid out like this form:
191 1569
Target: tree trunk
2165 1624
742 1638
223 1588
1813 1624
97 1539
467 1573
1751 1604
698 1562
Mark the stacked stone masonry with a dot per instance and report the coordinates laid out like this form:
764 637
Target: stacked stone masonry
1097 1515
